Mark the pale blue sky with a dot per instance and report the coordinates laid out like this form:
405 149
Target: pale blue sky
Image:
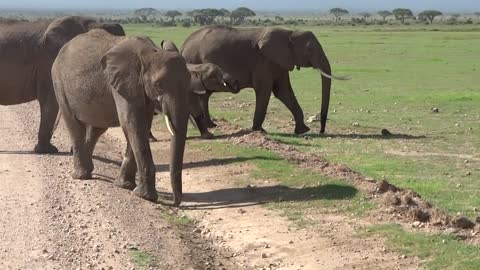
356 5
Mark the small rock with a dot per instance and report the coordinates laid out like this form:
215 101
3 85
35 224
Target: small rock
241 211
416 224
386 132
468 173
197 230
264 255
478 219
435 110
355 124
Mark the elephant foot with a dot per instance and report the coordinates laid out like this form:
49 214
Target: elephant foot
45 148
149 194
259 129
207 135
122 183
301 129
210 124
82 174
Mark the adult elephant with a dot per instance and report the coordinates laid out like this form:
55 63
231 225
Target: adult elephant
261 58
104 81
204 78
27 52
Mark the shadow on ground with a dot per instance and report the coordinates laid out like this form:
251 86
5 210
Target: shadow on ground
249 196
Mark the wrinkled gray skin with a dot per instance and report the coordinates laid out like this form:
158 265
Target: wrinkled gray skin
104 81
261 58
206 78
27 52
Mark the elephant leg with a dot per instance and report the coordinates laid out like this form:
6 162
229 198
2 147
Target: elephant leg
200 121
48 116
206 111
81 162
263 90
284 92
128 170
136 123
93 134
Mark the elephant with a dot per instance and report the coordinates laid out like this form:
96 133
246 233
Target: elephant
101 81
261 58
27 52
205 78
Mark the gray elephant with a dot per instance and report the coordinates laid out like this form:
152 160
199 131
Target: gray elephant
27 52
103 81
204 78
261 58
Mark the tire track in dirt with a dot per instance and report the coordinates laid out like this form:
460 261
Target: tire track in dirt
258 238
50 221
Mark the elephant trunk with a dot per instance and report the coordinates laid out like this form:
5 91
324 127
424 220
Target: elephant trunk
323 64
179 122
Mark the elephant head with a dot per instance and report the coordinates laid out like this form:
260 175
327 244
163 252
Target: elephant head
301 49
141 72
64 29
206 77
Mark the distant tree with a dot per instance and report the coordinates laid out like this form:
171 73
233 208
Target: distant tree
204 16
477 14
144 13
402 13
365 15
172 14
279 18
223 13
338 13
239 14
455 15
429 15
384 14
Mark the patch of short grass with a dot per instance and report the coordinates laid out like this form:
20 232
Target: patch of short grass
175 219
436 251
143 260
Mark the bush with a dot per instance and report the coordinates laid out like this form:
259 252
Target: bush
186 23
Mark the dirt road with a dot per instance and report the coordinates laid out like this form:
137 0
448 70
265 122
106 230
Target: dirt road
50 221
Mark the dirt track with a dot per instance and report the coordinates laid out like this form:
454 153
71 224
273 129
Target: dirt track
49 221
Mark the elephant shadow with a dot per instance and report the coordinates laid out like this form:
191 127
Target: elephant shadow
250 196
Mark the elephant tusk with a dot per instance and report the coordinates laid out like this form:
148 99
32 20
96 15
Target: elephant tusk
169 125
225 84
192 120
333 77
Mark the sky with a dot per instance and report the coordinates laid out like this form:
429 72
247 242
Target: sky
297 5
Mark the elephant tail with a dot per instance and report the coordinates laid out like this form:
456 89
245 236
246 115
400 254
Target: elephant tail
59 116
333 77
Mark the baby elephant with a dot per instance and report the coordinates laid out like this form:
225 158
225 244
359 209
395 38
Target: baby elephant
204 78
103 81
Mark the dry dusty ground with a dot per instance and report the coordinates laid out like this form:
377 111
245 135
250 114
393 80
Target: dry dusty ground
49 221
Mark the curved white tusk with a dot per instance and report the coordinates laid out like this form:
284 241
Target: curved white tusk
169 125
192 120
225 84
333 77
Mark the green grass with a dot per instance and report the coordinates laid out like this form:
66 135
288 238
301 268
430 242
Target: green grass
399 73
143 260
437 251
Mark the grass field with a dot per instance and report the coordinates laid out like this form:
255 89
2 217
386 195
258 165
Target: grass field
399 74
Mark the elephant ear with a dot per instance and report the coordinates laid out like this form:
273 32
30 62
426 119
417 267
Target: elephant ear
168 45
196 83
275 45
123 69
61 31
